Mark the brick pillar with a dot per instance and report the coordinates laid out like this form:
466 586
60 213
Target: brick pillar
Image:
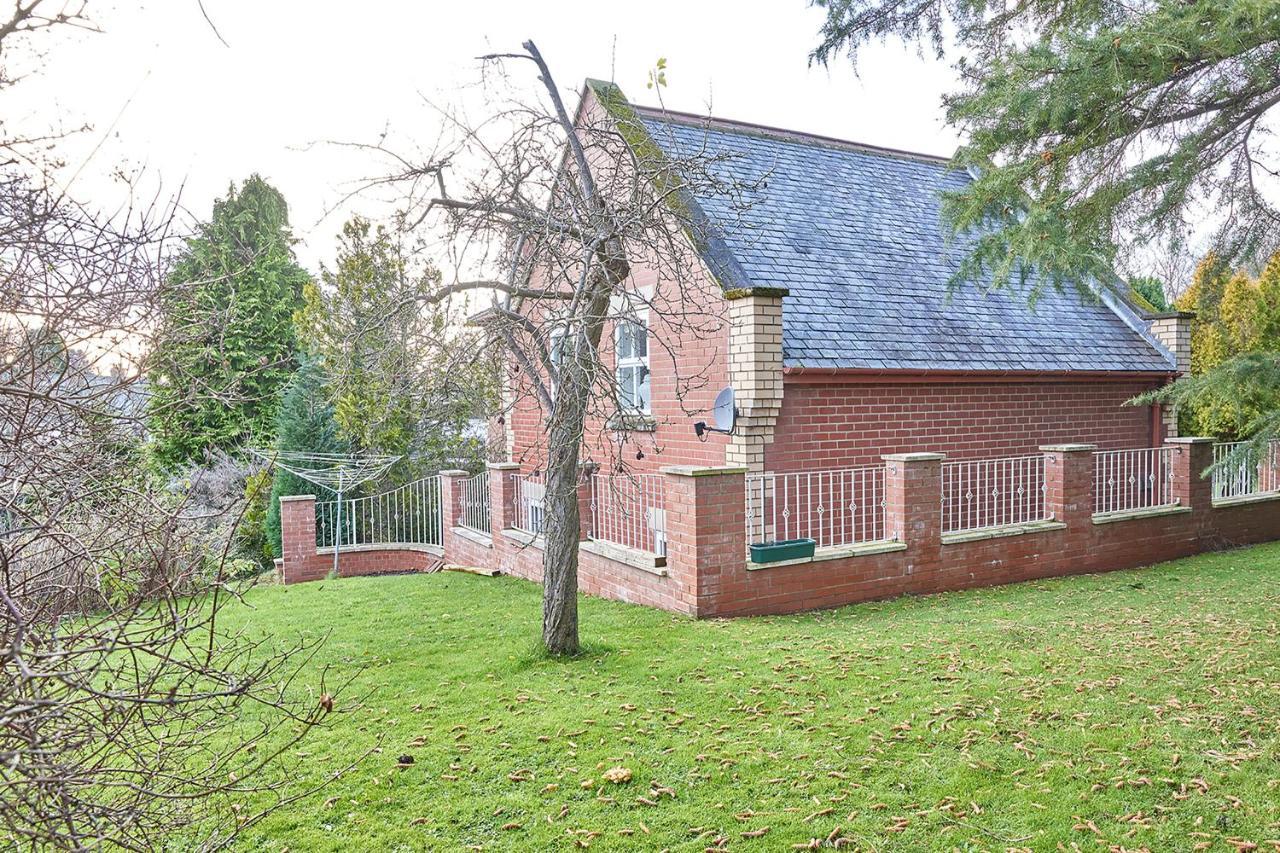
706 535
586 471
1068 483
1173 330
451 496
298 538
502 498
1191 456
913 497
755 372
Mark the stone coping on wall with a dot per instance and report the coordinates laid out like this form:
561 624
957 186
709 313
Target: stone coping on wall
1134 514
1245 500
637 559
533 540
645 561
834 552
914 457
437 550
958 536
482 539
703 470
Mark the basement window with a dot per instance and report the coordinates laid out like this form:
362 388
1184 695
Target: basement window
631 347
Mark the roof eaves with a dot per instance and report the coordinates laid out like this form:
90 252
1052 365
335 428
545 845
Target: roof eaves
1113 297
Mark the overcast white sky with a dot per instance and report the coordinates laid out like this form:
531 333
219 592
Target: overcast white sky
160 89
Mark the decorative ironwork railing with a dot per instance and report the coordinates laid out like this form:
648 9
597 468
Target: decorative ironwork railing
630 510
836 507
410 514
1133 479
474 510
529 493
980 493
1249 473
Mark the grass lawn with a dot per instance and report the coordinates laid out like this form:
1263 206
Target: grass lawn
1129 710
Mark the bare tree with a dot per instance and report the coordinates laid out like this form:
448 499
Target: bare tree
116 675
555 213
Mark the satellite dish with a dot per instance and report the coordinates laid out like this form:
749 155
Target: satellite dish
724 413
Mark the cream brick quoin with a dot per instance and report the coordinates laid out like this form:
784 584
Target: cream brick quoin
1173 330
755 373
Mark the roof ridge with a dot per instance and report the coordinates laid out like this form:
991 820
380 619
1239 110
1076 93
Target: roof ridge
782 133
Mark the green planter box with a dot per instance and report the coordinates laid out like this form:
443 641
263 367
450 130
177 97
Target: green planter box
787 549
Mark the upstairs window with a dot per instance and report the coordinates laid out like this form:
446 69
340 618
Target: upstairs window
555 349
632 370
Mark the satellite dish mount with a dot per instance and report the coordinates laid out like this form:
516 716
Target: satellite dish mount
724 415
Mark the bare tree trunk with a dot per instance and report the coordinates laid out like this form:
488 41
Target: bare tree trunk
560 557
564 440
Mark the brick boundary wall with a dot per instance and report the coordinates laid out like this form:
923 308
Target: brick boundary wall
302 561
706 573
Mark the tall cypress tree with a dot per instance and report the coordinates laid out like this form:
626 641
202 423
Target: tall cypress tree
228 344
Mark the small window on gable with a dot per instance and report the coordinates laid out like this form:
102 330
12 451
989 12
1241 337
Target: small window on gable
631 339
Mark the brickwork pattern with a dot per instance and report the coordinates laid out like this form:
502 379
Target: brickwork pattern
842 425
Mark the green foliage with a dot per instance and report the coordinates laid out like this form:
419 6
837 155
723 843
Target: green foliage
1151 292
239 568
1238 398
880 711
404 378
1089 120
364 323
1234 389
306 423
227 345
252 539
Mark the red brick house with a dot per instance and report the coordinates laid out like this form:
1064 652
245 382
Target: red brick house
926 438
842 338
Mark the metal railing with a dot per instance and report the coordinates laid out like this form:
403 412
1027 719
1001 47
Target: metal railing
474 499
1133 479
1250 473
630 510
529 493
836 507
980 493
410 515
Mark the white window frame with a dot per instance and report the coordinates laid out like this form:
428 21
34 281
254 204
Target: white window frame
555 342
639 317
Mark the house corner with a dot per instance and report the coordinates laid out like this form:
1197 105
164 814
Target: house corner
755 372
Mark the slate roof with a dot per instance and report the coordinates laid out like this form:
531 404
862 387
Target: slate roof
854 233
